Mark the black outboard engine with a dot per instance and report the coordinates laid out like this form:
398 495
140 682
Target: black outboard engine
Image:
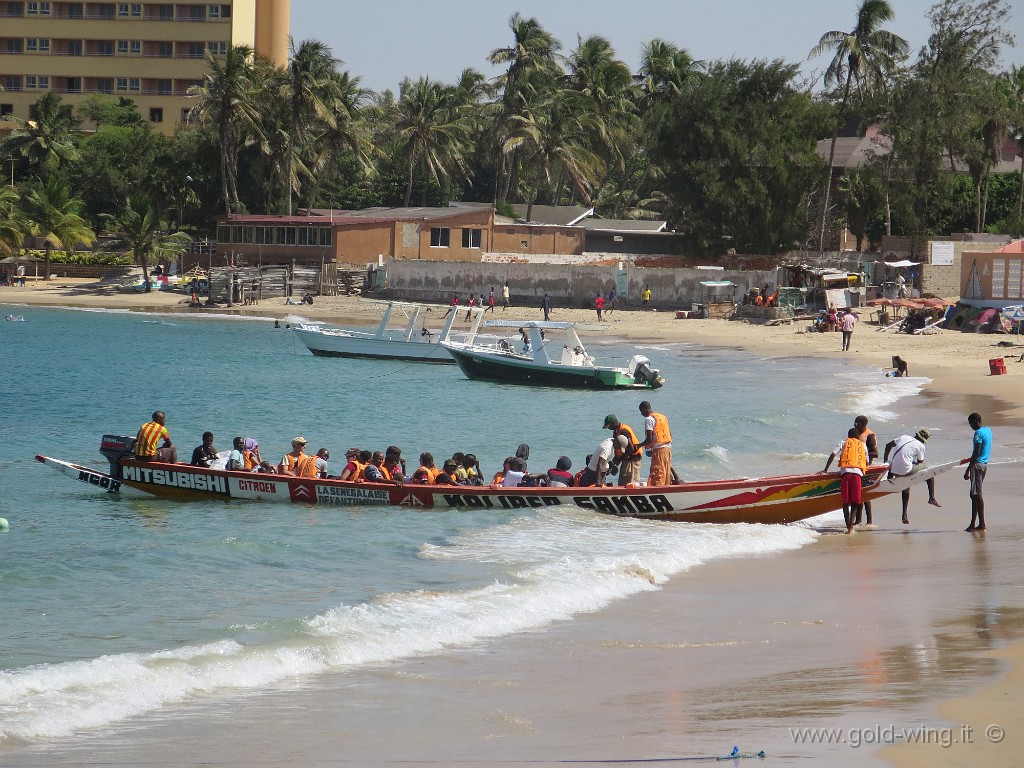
644 374
115 448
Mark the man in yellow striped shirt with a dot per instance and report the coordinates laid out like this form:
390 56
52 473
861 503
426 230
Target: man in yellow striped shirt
150 434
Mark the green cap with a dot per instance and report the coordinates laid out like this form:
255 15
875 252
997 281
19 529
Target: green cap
610 420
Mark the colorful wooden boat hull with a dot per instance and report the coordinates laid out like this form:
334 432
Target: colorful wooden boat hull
783 499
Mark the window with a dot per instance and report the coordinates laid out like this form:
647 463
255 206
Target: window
105 48
44 45
38 9
134 84
122 9
325 236
122 46
122 83
137 10
106 11
105 84
74 85
440 237
166 13
74 47
1013 279
156 115
76 11
12 83
195 50
264 235
30 82
165 50
136 46
216 47
223 233
214 12
184 115
163 87
998 278
471 238
307 236
32 44
13 45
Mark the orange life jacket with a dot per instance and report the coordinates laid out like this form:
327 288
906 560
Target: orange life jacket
291 463
305 466
854 455
357 475
864 438
431 472
661 432
249 460
499 478
384 472
631 451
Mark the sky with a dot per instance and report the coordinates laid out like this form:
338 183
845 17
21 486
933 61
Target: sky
382 42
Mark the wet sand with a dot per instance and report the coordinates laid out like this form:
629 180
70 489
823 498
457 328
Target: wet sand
887 635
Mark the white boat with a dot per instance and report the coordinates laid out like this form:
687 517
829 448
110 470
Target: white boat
553 360
412 341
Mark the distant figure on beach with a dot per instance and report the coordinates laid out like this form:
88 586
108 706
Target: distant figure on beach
853 463
831 319
658 440
148 437
504 296
547 306
846 324
907 458
871 443
470 303
977 466
611 301
205 454
452 305
599 305
902 371
490 300
645 297
901 286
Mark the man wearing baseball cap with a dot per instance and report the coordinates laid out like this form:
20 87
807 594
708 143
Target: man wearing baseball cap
627 450
907 458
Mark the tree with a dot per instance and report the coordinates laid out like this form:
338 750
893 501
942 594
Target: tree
737 147
53 214
861 57
14 227
664 69
428 133
312 92
1015 77
228 102
101 110
138 228
47 142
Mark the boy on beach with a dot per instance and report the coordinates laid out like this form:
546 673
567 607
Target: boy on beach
853 463
977 466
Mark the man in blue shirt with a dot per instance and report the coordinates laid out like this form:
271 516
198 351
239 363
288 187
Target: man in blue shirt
977 465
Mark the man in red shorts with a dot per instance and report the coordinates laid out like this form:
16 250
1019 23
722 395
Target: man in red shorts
853 463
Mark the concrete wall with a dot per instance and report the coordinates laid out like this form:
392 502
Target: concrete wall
527 239
567 285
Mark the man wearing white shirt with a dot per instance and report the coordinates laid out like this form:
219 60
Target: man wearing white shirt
907 458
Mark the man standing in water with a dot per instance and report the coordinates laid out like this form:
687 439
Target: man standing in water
853 463
658 439
977 466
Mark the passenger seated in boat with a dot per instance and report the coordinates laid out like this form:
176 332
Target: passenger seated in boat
375 471
499 476
472 468
427 472
395 464
514 476
356 465
460 471
319 463
205 454
251 453
559 476
236 461
599 464
447 475
290 460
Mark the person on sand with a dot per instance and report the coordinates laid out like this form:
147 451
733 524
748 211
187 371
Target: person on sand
846 324
977 466
907 458
853 463
902 370
504 296
599 306
871 443
547 307
149 435
645 297
831 319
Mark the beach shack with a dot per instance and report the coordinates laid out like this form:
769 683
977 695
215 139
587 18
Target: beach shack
718 298
822 286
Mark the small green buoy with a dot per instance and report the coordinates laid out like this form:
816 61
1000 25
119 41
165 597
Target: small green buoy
4 525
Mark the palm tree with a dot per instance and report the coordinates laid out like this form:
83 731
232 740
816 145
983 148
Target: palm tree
47 141
13 224
664 68
53 215
312 90
861 57
428 133
138 228
226 101
1016 79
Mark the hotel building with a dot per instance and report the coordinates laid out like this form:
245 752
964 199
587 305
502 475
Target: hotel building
149 52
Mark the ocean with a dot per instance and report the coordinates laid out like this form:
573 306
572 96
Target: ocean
117 610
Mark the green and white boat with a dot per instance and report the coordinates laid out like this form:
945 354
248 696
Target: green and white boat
549 354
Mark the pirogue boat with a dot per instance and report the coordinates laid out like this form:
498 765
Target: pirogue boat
781 499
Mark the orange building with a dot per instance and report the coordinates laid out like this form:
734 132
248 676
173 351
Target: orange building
993 278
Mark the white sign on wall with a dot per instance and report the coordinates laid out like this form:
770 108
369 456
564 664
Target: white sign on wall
942 254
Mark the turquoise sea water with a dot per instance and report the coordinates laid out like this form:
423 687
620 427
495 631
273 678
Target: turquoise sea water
115 608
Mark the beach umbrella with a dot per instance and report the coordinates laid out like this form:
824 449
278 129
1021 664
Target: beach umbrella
937 302
880 302
907 303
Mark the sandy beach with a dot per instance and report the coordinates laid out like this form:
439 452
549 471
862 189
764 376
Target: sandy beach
891 636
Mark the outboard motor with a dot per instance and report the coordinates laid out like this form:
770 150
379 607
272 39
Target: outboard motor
115 448
643 373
